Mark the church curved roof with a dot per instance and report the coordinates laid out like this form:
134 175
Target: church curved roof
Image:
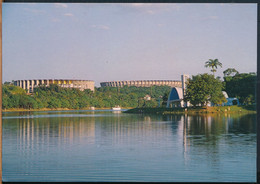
176 94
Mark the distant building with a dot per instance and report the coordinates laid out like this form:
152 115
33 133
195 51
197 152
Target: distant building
176 96
29 85
230 101
147 97
142 83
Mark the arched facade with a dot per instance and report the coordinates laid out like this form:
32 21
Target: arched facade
175 98
142 83
29 85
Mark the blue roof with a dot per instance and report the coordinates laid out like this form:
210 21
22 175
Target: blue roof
175 94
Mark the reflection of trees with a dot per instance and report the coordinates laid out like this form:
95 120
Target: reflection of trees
202 135
101 128
242 124
130 129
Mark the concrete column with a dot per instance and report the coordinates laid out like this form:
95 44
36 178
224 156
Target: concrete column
28 86
37 82
48 82
32 84
23 84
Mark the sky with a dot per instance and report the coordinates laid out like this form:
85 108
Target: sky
125 41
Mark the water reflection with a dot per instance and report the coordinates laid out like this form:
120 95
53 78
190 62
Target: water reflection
139 147
207 138
205 131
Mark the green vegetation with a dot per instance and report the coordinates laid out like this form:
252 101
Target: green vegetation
204 88
250 109
241 86
56 97
230 72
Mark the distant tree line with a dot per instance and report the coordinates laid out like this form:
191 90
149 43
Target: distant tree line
54 96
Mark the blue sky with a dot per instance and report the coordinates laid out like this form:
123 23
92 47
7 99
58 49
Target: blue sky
125 41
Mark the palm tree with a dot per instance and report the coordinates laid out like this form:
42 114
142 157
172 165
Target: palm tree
213 64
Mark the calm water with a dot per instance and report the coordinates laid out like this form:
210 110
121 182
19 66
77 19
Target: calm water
107 146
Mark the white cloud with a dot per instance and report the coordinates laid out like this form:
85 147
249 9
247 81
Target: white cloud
140 4
60 5
68 14
104 27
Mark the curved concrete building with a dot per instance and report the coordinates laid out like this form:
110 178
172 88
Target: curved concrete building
142 83
66 83
175 98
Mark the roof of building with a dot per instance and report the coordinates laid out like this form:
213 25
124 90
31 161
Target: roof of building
144 81
176 94
57 79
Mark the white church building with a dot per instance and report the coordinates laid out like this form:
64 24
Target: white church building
176 96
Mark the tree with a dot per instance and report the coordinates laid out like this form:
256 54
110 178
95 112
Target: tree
230 71
242 86
54 96
213 64
204 88
165 99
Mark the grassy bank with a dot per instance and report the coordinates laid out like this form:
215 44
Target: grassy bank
195 110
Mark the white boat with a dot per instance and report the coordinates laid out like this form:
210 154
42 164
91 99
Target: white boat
116 108
92 108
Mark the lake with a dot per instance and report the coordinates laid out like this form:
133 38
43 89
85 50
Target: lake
102 145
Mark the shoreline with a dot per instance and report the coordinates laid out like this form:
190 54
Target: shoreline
197 110
160 110
58 109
